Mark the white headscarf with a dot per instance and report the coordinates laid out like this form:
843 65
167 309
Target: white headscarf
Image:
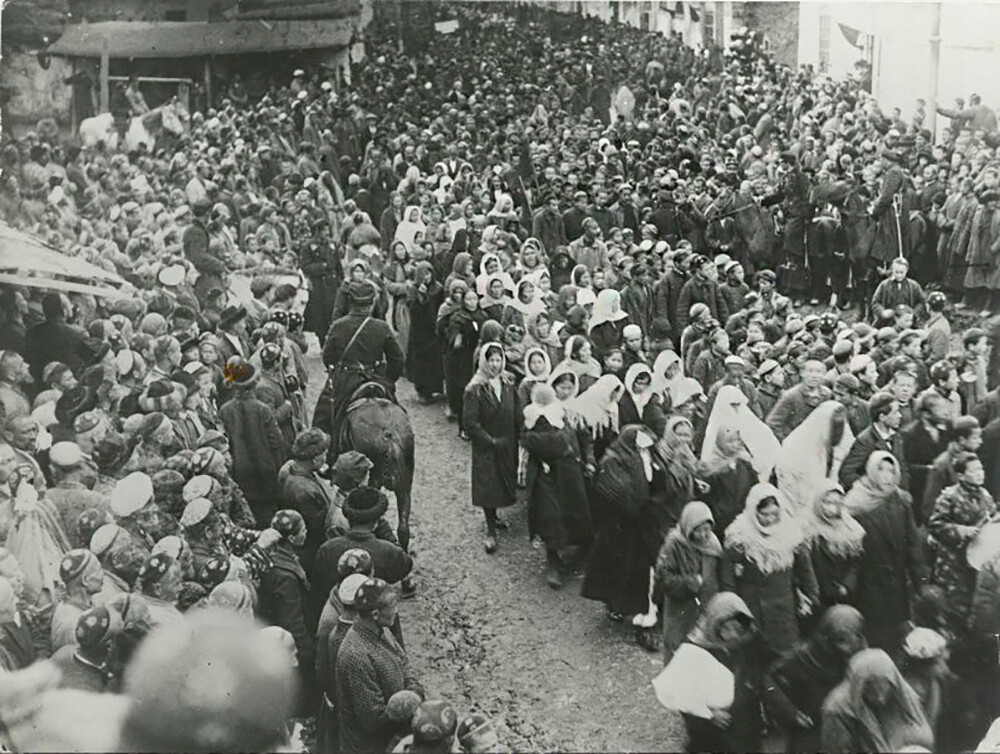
633 373
483 278
597 407
732 409
770 548
802 462
407 229
663 385
607 308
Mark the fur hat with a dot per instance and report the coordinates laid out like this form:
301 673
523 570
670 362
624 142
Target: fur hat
365 505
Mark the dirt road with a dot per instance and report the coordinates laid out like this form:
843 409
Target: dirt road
487 633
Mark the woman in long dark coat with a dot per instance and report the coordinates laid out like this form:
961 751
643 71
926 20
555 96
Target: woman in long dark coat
891 568
558 456
423 353
765 562
461 336
492 415
618 573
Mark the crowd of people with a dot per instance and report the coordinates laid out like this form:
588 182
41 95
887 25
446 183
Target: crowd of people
701 324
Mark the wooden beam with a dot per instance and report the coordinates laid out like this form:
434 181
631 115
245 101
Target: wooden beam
208 83
105 103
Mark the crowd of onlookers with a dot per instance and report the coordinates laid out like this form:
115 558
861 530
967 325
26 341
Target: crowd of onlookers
692 306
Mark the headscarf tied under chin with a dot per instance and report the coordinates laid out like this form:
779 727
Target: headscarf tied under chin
770 548
867 494
905 723
485 372
694 515
722 608
841 536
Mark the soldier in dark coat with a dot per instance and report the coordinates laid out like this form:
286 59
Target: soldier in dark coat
256 443
491 416
359 349
793 194
888 244
322 267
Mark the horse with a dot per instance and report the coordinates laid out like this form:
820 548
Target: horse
380 429
168 120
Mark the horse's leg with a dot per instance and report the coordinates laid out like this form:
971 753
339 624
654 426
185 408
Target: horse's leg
403 503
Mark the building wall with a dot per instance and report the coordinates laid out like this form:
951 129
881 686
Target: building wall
36 92
902 64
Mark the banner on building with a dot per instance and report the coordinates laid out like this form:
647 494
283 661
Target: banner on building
446 27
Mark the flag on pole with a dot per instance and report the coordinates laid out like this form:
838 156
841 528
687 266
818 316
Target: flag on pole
852 35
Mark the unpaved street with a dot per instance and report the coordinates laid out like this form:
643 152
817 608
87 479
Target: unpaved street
486 632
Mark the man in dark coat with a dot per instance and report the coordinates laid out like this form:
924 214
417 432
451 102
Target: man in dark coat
358 350
701 288
232 339
573 217
284 599
796 403
923 441
371 668
793 194
255 439
17 648
55 339
547 225
363 509
667 292
883 434
321 264
198 250
301 489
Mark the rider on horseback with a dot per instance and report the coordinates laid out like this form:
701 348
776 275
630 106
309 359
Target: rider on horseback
363 359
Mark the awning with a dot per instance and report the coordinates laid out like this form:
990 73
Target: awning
26 260
177 39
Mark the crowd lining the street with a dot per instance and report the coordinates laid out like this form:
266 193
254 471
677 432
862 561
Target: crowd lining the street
700 325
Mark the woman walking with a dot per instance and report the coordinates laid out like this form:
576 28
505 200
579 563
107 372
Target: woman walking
492 416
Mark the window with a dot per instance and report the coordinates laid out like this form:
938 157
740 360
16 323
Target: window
708 24
824 43
644 20
175 15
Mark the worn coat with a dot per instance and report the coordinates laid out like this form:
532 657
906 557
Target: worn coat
492 426
629 537
258 450
956 506
891 569
301 489
370 668
558 508
770 597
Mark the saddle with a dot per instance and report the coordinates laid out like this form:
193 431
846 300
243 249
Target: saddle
367 391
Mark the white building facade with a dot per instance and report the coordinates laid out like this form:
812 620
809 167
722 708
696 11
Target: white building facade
898 41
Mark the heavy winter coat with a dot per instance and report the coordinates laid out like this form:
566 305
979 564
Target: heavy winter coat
492 426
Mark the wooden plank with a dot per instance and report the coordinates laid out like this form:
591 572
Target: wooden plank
105 70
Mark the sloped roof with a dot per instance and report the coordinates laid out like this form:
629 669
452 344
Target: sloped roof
26 260
180 39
